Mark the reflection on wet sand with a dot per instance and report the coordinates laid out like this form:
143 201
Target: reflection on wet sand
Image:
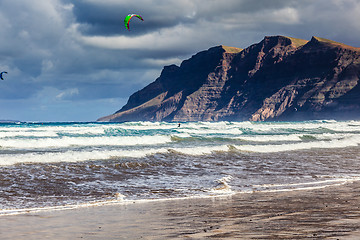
327 213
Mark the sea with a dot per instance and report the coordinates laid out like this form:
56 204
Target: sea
57 166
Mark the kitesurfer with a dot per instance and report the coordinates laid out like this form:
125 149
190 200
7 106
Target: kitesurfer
1 75
128 17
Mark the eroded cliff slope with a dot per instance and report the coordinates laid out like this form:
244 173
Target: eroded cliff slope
280 78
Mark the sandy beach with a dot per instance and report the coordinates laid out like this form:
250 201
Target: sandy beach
327 213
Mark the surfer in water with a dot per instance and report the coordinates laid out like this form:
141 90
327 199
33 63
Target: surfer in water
179 125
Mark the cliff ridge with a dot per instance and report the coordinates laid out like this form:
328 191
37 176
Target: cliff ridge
279 78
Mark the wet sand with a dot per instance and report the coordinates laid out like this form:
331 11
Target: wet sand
328 213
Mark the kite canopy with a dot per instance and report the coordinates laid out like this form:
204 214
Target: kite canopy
128 17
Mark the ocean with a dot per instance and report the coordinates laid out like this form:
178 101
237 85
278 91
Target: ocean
55 166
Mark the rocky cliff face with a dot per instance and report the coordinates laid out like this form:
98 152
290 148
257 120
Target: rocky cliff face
280 78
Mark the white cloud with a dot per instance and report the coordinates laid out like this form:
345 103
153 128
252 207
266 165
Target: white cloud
284 16
177 37
162 62
68 93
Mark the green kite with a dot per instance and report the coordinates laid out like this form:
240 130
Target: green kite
128 17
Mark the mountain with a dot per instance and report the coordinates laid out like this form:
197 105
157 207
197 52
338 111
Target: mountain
279 78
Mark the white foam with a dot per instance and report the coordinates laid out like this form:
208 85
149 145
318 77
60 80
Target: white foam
294 137
322 182
271 138
203 128
83 141
196 151
51 131
74 156
85 155
222 186
6 134
276 127
304 186
147 125
119 199
47 137
292 129
269 148
230 131
80 156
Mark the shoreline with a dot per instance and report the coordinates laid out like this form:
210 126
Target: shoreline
222 192
327 213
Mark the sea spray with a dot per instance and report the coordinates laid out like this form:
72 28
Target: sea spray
222 185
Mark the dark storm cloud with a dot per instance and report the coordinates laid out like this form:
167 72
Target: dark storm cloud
97 19
62 54
105 18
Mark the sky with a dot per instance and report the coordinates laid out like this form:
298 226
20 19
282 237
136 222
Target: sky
74 60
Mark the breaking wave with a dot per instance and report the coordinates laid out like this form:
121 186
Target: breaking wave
65 165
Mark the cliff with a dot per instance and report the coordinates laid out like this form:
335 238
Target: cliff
280 78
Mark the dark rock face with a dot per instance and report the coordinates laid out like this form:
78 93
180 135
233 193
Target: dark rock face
280 78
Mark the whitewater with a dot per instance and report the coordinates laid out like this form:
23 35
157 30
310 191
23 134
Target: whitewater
51 166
